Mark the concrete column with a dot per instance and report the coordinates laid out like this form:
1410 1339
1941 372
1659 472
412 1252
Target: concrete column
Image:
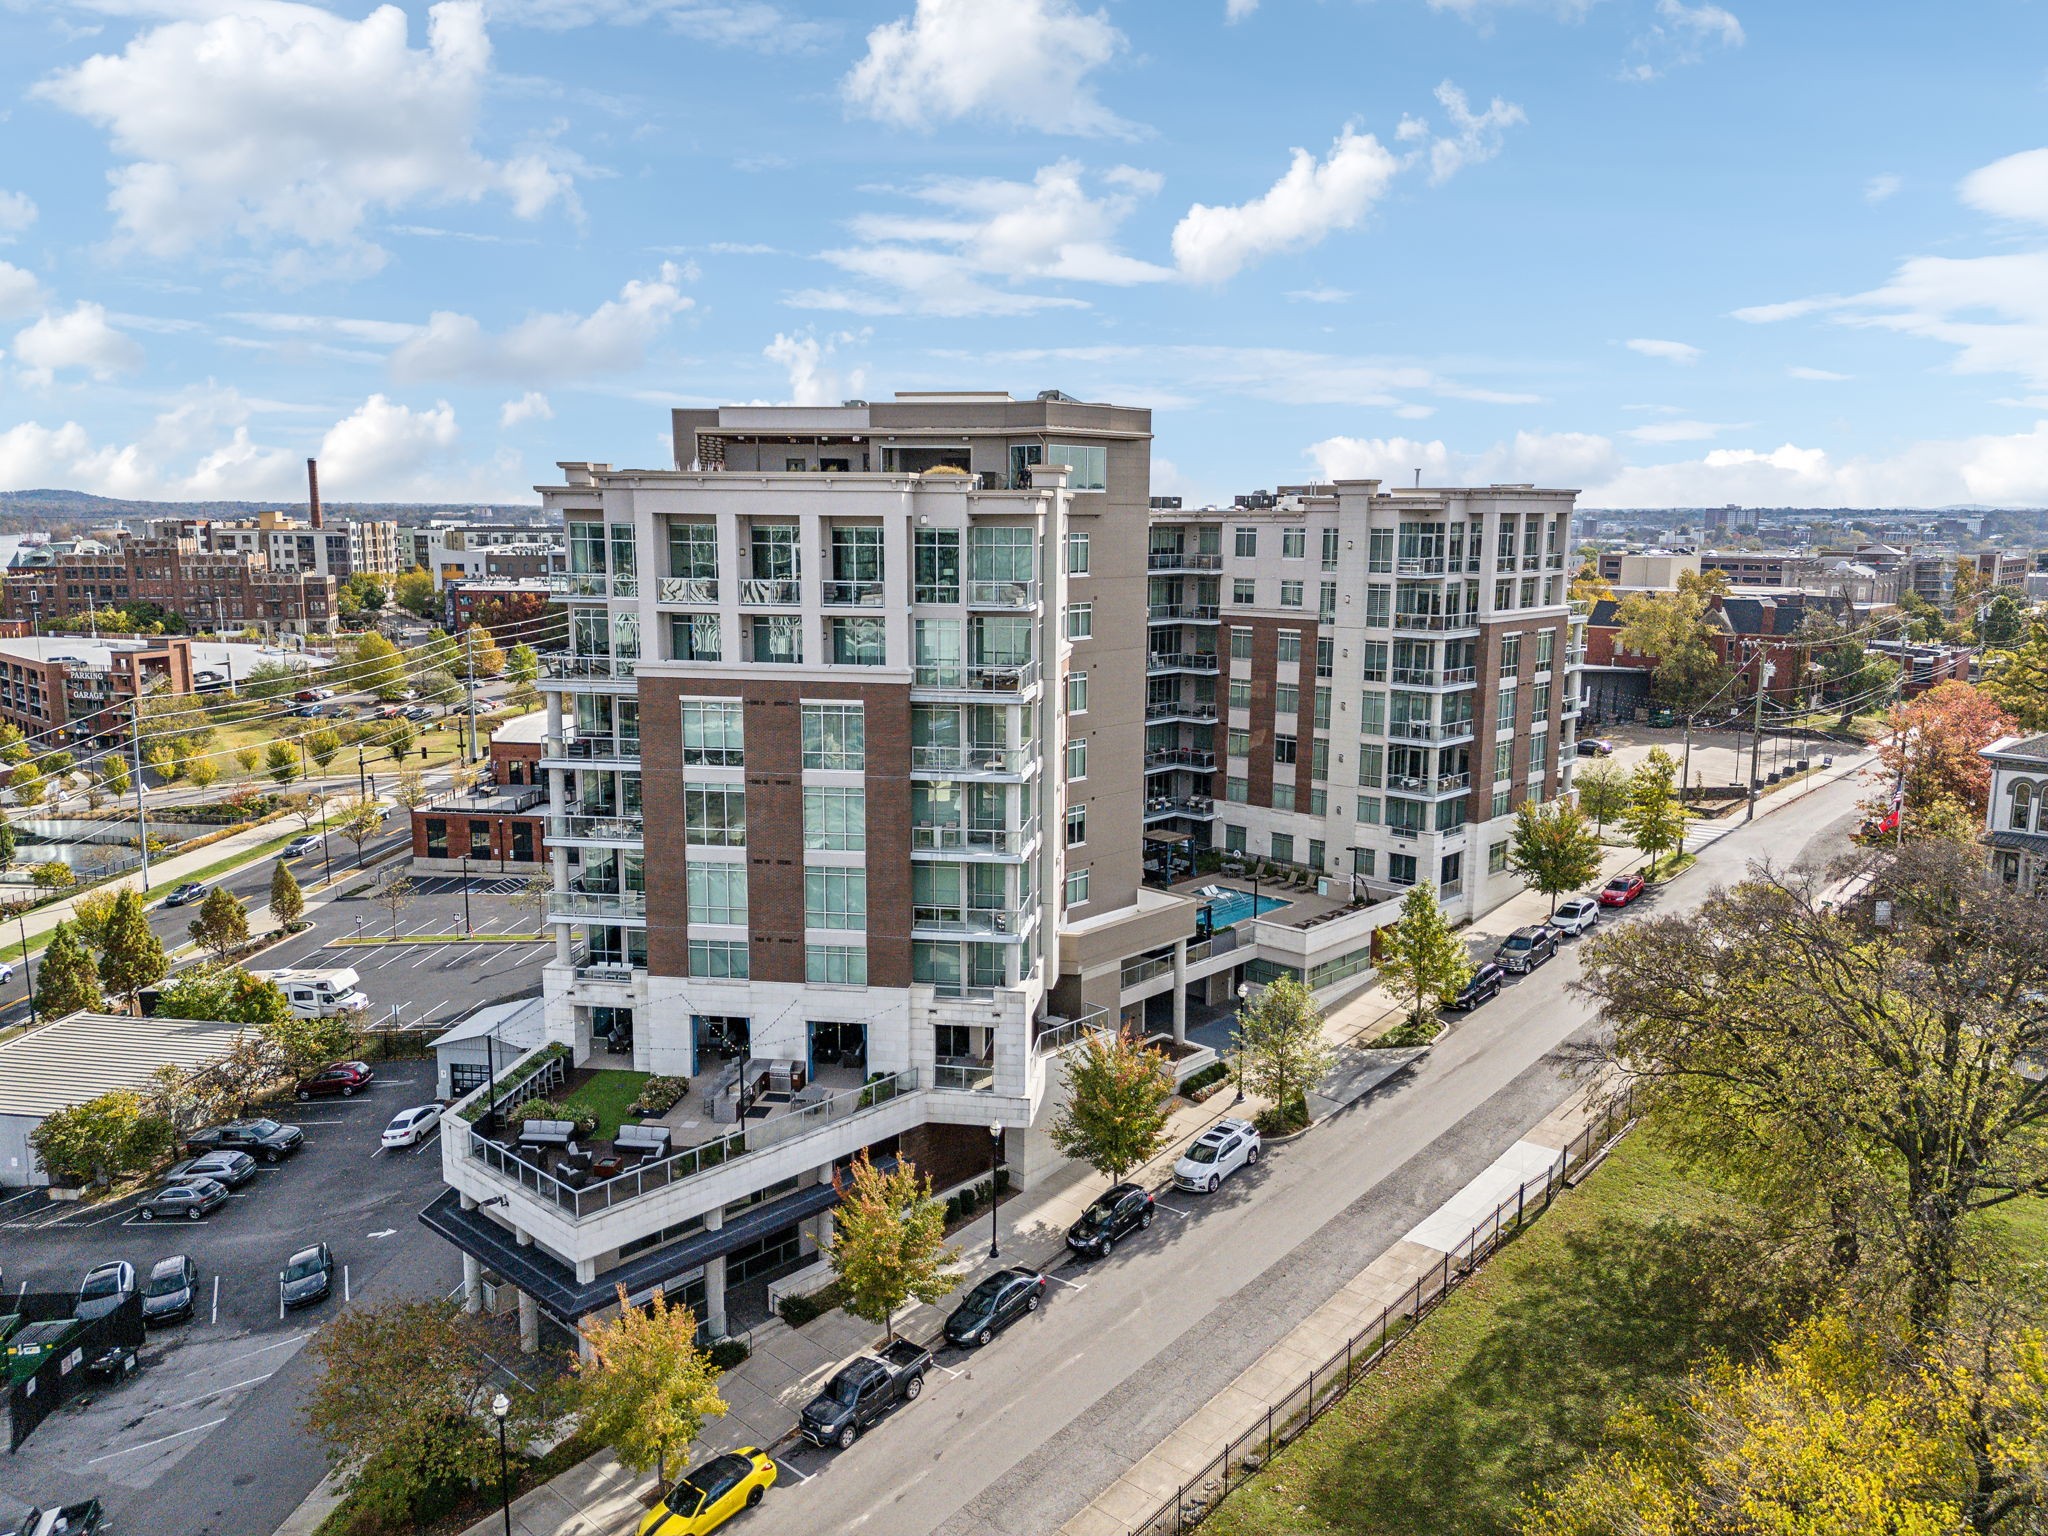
1180 991
472 1284
529 1325
714 1282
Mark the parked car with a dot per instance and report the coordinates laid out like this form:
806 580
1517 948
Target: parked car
103 1289
265 1140
307 1276
1217 1153
705 1497
299 847
994 1304
862 1391
171 1291
345 1079
1579 915
229 1169
409 1125
1526 948
6 973
419 712
1621 890
189 1198
306 711
308 696
185 894
1595 746
1120 1209
71 1520
1484 983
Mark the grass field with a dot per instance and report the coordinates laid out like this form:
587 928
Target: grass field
608 1096
1508 1384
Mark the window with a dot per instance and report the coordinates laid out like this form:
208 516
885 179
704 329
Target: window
1375 661
1401 868
1286 699
1504 710
1329 549
1322 709
835 898
936 556
1233 838
1077 693
1237 744
1243 591
1379 606
1237 789
1283 847
1077 552
693 550
1283 795
1315 852
1240 643
836 819
1528 591
1368 810
1372 714
1077 825
1286 749
715 816
1504 544
1318 802
713 733
938 653
1326 657
1546 643
1539 753
835 736
1379 552
1080 620
1319 758
1089 463
1539 702
1503 759
1371 765
778 639
1077 759
718 957
694 637
1501 802
1293 543
836 965
1290 594
1497 858
1503 595
773 547
1077 887
857 556
1362 861
437 838
857 643
717 891
1511 656
1239 694
1326 602
1247 542
1289 645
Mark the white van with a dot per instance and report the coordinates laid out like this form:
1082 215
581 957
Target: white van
314 994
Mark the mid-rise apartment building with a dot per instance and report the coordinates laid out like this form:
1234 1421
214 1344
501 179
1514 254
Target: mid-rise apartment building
171 567
340 550
474 551
867 719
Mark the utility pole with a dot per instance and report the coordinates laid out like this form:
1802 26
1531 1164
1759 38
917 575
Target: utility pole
469 687
1763 676
141 811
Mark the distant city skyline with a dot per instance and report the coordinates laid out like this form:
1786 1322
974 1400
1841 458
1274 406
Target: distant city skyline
1671 254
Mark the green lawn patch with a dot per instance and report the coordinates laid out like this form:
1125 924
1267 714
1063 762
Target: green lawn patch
1612 1293
608 1096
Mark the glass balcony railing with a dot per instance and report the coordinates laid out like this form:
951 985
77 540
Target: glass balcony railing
849 594
980 678
701 590
1184 613
1428 730
583 827
964 1076
567 906
1180 757
557 664
1181 661
594 748
968 761
1174 709
1436 622
586 584
953 922
1179 560
932 838
1002 594
770 592
1162 807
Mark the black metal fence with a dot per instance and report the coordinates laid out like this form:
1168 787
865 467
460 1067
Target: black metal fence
61 1374
1304 1404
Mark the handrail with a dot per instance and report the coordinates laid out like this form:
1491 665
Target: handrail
1002 594
934 759
851 594
770 591
688 589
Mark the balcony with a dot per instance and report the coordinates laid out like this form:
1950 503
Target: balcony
970 922
592 751
1181 661
625 584
580 827
1421 567
587 668
972 762
1006 595
1166 807
842 594
1437 623
573 905
973 842
1184 613
1434 677
616 973
1137 972
586 584
1167 759
1173 709
1016 680
1178 560
960 1076
1441 784
1056 1035
770 592
1429 730
695 591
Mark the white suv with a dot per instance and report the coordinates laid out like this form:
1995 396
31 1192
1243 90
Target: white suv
1579 915
1218 1152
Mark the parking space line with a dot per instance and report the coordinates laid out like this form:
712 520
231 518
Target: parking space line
264 1349
1161 1205
202 1397
160 1440
1069 1284
802 1477
956 1375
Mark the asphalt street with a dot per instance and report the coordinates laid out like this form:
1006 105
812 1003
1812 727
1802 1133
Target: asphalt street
1018 1438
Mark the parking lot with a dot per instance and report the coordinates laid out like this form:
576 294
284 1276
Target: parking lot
211 1417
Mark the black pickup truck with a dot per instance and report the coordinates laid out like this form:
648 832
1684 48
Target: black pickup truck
862 1392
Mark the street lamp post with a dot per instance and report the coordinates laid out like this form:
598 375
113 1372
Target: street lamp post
362 776
28 972
501 1405
995 1158
1244 991
466 929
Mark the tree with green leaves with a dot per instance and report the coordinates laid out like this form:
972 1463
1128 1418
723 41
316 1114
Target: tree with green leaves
1281 1052
1655 818
67 979
222 924
1118 1090
281 763
889 1241
223 992
522 663
270 680
101 1139
1552 848
358 820
1422 960
13 745
287 900
113 772
1603 792
202 772
414 592
482 655
2016 678
53 875
2003 622
131 955
25 782
399 739
645 1388
323 746
91 912
437 685
304 1046
379 667
6 841
1673 630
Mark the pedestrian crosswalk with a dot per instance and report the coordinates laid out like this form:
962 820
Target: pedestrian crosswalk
1698 837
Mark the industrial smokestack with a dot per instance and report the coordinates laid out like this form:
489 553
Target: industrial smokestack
313 489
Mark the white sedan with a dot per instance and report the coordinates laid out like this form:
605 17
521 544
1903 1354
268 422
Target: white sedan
408 1126
1579 915
1217 1153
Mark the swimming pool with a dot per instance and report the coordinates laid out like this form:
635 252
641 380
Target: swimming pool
1227 907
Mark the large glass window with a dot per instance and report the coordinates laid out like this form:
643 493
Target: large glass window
1246 542
715 816
836 965
1077 758
835 736
836 818
693 550
714 733
1077 552
718 891
774 550
1080 620
999 554
937 557
719 957
1290 594
1329 549
857 554
777 638
586 547
1088 461
624 561
1240 643
858 643
1286 699
694 637
1293 543
1288 645
835 898
938 653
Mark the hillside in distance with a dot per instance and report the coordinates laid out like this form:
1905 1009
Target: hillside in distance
82 507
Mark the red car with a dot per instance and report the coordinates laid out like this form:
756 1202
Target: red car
342 1080
1621 890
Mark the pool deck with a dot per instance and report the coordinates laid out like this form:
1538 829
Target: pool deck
1303 906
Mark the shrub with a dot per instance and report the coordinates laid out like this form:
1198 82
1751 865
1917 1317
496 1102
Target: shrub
952 1209
798 1310
659 1095
1002 1181
968 1201
548 1109
1408 1032
1211 1075
729 1354
1283 1120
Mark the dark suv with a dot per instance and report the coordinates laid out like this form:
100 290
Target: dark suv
170 1291
265 1140
1526 948
1485 983
1120 1209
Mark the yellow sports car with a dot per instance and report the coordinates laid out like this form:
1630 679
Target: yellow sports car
708 1496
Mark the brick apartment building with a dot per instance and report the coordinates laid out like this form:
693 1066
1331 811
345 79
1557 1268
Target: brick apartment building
170 566
498 830
74 689
340 550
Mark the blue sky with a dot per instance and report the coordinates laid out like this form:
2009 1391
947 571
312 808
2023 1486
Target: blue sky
1671 253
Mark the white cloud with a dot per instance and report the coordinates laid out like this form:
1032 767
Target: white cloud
612 339
1478 136
1557 459
1321 293
1881 186
290 127
1025 63
1816 375
1708 23
1680 35
1238 10
984 237
384 443
17 212
1670 351
78 339
1683 430
20 293
1212 244
744 24
388 333
2013 188
811 381
531 406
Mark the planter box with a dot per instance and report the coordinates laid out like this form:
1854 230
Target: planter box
804 1282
